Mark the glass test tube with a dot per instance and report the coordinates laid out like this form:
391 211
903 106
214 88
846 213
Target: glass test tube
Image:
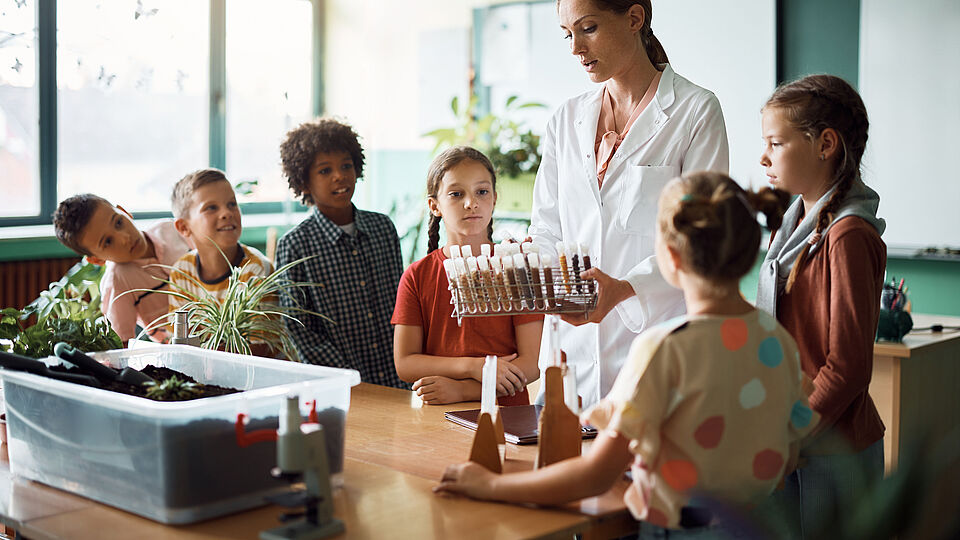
483 303
510 283
564 268
487 279
523 281
534 262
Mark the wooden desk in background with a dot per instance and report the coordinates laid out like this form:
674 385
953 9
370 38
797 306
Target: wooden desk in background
916 386
396 450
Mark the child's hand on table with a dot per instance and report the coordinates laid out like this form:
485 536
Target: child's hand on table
439 390
470 479
510 378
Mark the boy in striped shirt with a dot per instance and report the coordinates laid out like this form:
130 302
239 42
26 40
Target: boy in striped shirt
207 215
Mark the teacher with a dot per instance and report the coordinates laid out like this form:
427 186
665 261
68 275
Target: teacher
606 156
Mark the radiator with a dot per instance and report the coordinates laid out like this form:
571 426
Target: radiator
22 281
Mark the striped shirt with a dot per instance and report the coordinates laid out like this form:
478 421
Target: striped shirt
356 279
187 269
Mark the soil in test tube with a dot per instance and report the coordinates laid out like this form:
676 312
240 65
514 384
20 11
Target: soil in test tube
483 303
548 283
538 295
564 269
576 271
487 279
510 281
523 280
500 284
463 279
587 266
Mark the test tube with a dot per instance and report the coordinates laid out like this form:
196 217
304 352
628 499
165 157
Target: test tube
564 268
455 252
483 303
500 283
485 250
467 251
585 257
550 299
526 247
576 268
523 281
487 279
510 283
456 293
534 261
463 279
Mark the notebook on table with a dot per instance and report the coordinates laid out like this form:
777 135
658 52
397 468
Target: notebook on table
519 423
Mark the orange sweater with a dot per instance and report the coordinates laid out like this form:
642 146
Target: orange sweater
832 313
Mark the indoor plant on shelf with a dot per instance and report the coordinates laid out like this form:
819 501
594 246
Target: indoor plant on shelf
513 149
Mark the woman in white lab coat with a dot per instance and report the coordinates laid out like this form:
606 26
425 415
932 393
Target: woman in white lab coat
606 155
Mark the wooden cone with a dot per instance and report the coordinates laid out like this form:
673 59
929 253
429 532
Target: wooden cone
485 450
498 428
559 428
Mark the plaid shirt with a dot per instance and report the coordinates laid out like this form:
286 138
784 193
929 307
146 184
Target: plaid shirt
358 278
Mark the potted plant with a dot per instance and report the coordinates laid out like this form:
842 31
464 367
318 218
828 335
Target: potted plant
249 315
513 149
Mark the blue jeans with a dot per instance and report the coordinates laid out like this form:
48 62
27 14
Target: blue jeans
822 492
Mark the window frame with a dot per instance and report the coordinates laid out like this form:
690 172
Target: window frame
47 90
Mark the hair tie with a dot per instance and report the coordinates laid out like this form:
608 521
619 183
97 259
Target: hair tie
687 197
815 239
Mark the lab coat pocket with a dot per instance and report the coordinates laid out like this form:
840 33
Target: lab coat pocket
639 194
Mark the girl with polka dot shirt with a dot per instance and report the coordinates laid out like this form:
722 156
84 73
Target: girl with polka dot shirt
709 406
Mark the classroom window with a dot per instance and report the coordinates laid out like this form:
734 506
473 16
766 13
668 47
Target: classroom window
268 60
19 109
140 92
132 98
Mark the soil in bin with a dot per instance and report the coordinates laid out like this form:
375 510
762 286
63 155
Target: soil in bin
200 461
158 374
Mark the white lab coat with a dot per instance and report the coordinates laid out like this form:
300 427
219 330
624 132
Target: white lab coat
681 130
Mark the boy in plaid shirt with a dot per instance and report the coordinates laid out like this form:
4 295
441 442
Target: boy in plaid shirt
357 265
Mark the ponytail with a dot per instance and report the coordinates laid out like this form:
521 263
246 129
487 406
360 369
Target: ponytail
655 50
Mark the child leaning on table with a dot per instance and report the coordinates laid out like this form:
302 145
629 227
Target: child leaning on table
134 259
709 404
207 214
356 262
442 360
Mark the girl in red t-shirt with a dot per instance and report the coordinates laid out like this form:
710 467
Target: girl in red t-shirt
443 360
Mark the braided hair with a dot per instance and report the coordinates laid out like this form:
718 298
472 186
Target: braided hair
447 160
811 105
710 221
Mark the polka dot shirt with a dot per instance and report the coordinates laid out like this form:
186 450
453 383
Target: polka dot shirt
713 406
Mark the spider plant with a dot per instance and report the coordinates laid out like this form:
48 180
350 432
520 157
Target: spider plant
172 389
250 312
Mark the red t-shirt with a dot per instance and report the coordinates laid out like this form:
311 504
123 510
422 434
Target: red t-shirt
423 299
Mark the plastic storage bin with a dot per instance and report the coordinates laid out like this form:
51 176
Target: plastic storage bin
174 462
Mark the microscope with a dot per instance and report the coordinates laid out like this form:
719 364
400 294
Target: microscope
301 453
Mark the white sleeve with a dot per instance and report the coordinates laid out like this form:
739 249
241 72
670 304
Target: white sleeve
708 149
545 219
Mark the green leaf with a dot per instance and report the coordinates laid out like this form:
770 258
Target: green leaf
455 105
510 100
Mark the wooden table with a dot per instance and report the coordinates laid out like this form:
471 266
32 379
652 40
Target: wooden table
916 387
396 449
